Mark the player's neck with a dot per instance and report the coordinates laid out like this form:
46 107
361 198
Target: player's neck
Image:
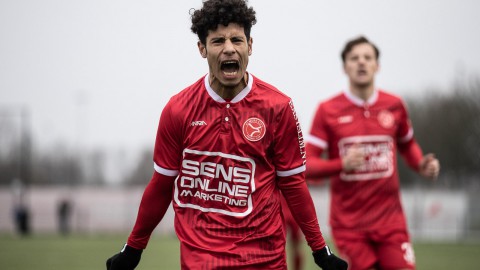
363 92
225 91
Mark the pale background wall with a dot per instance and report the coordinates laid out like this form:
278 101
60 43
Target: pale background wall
431 214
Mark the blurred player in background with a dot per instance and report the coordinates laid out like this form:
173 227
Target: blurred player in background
361 129
227 148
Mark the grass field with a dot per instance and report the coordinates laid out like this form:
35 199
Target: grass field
90 252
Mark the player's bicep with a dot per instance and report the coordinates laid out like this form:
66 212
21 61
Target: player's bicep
405 128
168 143
318 130
313 150
290 154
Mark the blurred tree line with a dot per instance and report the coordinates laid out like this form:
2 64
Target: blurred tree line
446 123
57 165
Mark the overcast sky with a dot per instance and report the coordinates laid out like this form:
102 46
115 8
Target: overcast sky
97 73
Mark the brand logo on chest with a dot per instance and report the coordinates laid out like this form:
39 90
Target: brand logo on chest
345 119
254 129
198 123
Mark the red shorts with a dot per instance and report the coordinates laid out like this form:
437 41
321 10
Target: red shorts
385 249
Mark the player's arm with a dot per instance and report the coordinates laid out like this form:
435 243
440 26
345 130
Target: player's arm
158 193
289 153
155 201
300 203
426 165
318 167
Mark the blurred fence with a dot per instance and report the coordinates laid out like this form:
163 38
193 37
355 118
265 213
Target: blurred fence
432 214
93 209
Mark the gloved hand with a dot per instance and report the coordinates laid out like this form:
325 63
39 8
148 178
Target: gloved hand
328 261
127 259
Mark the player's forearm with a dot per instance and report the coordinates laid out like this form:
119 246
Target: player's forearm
411 153
152 209
319 168
298 198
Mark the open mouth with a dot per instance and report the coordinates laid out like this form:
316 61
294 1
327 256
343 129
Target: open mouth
230 67
362 72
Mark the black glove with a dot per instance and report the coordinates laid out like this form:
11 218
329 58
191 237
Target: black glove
127 259
328 261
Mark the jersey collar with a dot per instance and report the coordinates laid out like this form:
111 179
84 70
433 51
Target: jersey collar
360 102
237 98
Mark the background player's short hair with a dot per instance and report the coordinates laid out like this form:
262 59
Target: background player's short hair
356 41
216 12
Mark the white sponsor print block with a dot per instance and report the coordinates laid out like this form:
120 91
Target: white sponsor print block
215 182
379 154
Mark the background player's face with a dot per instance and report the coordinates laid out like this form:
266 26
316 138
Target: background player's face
361 65
227 50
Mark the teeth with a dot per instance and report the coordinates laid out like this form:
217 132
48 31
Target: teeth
230 62
230 73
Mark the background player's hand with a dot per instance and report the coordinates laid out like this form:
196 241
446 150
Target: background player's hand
328 261
127 259
429 166
353 158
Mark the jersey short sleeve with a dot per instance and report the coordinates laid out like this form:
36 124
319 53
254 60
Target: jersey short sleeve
168 150
318 133
289 156
405 129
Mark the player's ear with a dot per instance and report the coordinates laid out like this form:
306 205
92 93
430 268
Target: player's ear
202 49
250 42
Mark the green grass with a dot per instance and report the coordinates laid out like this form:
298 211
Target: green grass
90 252
80 252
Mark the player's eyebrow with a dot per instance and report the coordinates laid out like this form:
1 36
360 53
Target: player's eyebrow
235 38
217 39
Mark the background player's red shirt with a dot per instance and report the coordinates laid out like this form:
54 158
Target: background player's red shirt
227 155
368 197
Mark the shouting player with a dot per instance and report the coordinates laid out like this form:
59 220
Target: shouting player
227 148
361 129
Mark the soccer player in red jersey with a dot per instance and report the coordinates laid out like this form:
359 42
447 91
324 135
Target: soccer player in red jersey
361 130
227 148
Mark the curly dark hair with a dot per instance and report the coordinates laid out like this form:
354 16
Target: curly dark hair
216 12
356 41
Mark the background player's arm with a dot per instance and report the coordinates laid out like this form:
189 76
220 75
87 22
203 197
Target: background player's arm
427 166
318 168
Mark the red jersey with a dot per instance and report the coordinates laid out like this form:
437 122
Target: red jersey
368 197
227 156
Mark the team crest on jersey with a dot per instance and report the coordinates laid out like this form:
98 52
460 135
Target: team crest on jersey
386 119
254 129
